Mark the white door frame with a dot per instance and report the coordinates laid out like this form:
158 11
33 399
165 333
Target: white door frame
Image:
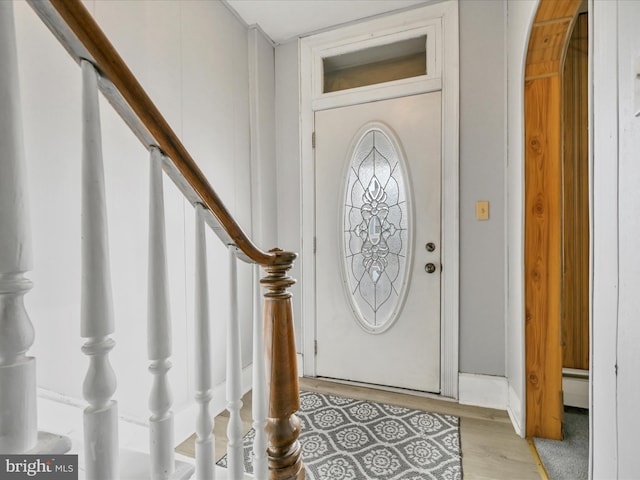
439 22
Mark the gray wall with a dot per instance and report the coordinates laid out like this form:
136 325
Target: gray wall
482 177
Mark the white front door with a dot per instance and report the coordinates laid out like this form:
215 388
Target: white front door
378 245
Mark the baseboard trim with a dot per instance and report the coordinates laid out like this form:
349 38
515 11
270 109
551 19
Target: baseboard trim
483 390
575 391
514 409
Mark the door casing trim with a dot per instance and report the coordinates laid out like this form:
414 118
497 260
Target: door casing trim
543 214
439 17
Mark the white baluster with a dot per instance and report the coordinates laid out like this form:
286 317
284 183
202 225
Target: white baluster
234 376
259 393
205 441
159 330
97 324
18 426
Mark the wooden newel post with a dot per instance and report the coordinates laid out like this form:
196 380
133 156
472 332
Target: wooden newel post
283 394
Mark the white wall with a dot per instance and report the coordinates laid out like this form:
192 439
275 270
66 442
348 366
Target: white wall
288 162
264 175
603 26
520 15
628 330
616 228
191 57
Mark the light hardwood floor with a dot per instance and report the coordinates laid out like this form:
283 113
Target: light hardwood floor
490 447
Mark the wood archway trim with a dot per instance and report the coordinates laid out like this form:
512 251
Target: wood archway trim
543 215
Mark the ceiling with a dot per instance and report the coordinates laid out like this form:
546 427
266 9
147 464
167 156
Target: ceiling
283 20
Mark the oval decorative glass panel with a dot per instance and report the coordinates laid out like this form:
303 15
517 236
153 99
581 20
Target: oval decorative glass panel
376 239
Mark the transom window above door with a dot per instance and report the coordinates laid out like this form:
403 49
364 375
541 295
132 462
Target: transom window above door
396 60
374 65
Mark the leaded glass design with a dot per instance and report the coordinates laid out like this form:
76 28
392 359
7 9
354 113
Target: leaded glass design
376 230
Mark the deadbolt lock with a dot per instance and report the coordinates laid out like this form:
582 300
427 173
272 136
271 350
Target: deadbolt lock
430 246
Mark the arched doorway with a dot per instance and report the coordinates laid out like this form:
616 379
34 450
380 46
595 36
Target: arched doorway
543 215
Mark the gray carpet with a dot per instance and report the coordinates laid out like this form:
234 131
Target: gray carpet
347 439
568 459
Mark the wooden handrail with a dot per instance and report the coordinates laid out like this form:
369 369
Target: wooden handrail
80 34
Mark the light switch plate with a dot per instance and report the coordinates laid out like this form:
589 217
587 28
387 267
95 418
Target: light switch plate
482 210
636 88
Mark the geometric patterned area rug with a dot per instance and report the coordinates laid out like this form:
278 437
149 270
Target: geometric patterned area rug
349 439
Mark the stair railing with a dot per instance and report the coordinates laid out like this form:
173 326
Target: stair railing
275 382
